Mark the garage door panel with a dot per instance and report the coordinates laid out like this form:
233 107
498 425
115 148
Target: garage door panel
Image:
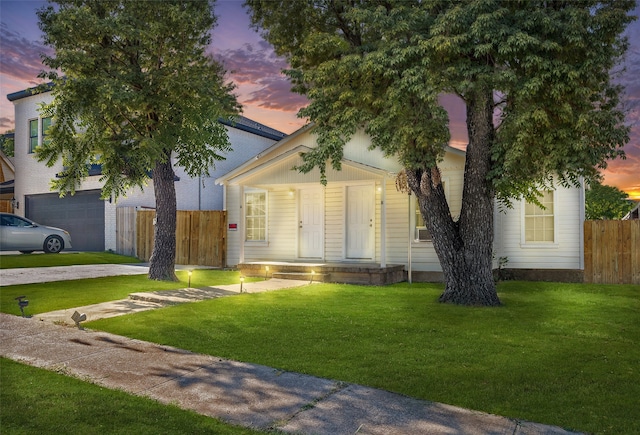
81 214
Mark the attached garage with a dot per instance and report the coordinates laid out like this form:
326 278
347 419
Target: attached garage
81 214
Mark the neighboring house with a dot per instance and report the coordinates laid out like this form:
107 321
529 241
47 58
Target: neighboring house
277 214
7 175
90 220
634 213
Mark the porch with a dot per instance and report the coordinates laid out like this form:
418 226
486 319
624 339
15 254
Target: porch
347 272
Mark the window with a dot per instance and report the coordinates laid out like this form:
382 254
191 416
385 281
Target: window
420 231
255 204
539 223
46 123
36 139
422 234
33 135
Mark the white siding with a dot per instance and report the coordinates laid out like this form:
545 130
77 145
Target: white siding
564 254
271 171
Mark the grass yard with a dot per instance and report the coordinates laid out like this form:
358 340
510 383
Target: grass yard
62 259
38 401
561 354
58 295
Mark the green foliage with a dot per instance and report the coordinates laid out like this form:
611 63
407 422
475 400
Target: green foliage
7 145
35 400
381 65
534 76
555 353
133 87
606 202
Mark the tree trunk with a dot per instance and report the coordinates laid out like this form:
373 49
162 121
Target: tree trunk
163 258
465 246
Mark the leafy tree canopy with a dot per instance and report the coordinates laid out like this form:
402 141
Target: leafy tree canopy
606 202
534 76
382 64
133 90
132 85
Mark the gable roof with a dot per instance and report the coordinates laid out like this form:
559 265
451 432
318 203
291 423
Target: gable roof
248 167
251 126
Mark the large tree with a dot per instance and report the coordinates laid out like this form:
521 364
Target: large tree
606 202
133 90
534 76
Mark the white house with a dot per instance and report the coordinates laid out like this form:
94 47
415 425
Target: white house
90 220
277 215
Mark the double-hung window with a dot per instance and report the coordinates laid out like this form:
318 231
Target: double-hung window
255 206
46 123
33 135
539 222
38 132
420 231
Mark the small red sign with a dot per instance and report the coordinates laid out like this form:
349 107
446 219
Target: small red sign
233 227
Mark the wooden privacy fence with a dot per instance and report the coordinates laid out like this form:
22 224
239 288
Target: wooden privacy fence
612 252
201 237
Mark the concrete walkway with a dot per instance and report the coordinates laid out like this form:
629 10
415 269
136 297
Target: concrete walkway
240 393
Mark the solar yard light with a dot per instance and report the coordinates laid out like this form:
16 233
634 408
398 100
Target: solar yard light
22 303
313 272
190 272
266 272
77 318
241 282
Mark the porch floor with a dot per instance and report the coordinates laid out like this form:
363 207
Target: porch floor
339 272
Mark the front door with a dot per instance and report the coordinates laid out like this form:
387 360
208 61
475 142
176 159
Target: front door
360 212
311 223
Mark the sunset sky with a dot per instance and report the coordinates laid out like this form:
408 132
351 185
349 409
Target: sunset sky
263 91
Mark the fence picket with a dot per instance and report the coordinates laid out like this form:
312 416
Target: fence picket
612 252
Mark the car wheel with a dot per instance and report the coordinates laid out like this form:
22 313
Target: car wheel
26 252
53 245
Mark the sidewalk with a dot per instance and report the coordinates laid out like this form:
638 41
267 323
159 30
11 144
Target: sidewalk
240 393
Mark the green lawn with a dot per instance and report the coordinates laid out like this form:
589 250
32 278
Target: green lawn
62 259
60 295
561 354
36 401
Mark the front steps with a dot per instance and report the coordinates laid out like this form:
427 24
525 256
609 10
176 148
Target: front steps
350 273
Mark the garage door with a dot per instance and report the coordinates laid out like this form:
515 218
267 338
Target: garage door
81 214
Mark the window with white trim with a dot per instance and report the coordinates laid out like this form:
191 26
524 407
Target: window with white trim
420 231
539 222
255 207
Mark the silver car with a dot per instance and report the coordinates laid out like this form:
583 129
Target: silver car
20 234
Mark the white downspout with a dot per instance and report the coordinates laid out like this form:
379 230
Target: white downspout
581 222
242 228
410 237
383 225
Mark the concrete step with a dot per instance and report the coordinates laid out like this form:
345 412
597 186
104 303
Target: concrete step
302 276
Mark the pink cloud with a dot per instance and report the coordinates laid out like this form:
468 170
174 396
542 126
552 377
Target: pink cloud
20 58
256 69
